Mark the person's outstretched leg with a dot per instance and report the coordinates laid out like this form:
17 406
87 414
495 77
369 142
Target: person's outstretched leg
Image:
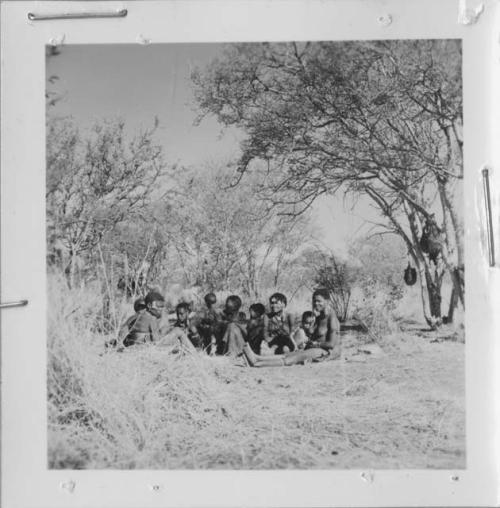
308 355
262 361
294 358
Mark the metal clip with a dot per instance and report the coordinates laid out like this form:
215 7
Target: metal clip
489 221
7 305
77 15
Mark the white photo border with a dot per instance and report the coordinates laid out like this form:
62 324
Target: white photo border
26 480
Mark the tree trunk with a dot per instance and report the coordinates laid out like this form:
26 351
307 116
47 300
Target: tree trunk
453 255
434 300
434 292
424 293
456 275
70 270
430 288
453 305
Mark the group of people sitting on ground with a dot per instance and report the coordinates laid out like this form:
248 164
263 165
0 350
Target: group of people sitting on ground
265 339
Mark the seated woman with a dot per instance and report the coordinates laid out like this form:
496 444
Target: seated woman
278 325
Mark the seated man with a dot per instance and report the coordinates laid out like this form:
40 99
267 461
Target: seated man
143 327
326 333
278 325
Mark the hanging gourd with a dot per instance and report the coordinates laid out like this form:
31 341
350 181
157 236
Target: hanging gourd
410 275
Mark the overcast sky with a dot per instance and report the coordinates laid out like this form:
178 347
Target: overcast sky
137 83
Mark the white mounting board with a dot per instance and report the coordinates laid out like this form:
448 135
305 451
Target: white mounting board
26 481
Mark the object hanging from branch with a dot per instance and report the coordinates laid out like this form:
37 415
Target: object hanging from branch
431 241
410 275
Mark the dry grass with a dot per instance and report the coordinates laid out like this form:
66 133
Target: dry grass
401 406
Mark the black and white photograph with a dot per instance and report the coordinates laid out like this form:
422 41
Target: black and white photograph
255 255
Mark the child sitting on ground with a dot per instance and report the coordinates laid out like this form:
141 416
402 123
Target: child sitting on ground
185 324
143 326
255 327
304 333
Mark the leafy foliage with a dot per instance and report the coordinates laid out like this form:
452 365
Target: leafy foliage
382 119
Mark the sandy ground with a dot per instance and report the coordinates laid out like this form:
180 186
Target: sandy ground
399 406
399 403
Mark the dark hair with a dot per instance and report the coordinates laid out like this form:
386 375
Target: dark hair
258 308
210 298
280 297
307 315
233 302
182 305
153 296
139 304
323 292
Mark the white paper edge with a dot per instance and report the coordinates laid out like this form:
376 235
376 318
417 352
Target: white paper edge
26 482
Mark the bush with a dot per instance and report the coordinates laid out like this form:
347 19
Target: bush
375 307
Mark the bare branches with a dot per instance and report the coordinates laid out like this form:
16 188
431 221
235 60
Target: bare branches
94 183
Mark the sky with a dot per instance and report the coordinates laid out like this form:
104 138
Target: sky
137 83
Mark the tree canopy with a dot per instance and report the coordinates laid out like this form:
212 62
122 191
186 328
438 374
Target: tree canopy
382 119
